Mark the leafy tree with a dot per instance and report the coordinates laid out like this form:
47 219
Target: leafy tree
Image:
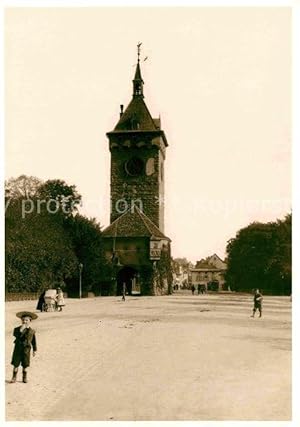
183 263
24 187
280 266
38 252
60 195
39 248
87 243
260 257
164 267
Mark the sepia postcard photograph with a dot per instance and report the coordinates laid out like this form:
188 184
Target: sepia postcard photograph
148 212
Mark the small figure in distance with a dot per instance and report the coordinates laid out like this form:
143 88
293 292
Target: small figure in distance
257 303
123 291
60 299
193 289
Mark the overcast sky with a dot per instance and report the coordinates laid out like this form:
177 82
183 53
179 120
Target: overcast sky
220 78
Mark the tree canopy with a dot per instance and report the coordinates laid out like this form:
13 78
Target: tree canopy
23 187
88 248
260 257
38 253
63 196
44 247
184 263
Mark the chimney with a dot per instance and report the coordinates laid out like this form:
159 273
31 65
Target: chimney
121 112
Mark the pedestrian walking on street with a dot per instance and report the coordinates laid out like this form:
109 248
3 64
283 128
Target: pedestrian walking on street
24 339
258 298
124 291
199 289
60 299
193 289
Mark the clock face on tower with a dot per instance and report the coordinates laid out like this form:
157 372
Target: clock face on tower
134 166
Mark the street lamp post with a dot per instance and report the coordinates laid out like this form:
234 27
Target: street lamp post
80 273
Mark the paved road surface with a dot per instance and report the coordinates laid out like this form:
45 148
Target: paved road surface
178 357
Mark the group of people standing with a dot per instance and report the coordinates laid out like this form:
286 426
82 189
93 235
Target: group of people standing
200 288
59 300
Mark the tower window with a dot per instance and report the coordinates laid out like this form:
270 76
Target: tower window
134 166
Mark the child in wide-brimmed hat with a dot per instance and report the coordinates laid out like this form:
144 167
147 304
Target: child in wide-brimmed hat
24 339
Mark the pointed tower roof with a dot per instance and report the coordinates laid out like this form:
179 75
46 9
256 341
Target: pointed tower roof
136 117
138 75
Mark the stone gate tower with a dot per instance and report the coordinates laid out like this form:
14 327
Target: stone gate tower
137 145
138 149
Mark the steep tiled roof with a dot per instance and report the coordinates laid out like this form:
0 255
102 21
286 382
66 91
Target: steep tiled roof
136 117
133 223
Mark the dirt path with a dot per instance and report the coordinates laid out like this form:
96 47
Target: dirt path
178 357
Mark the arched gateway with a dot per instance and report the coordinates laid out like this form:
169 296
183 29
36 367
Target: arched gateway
128 276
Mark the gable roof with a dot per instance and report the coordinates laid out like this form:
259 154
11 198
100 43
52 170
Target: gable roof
204 266
215 256
212 262
133 223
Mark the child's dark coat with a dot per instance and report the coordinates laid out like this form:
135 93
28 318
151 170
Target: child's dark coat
23 342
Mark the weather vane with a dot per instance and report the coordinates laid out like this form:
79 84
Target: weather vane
139 53
139 50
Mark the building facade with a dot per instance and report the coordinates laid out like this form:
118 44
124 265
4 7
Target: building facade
209 273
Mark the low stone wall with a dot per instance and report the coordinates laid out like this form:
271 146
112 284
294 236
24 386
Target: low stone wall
19 296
